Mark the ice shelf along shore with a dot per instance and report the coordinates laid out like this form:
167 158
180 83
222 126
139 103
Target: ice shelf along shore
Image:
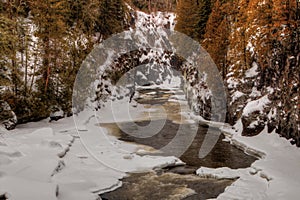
273 176
43 160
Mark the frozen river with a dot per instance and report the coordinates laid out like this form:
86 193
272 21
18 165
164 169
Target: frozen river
173 182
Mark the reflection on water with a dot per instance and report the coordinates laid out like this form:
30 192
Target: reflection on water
222 155
170 184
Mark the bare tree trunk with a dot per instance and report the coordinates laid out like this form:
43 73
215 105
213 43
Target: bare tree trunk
149 5
14 74
298 24
244 49
33 75
22 58
26 67
47 64
56 66
47 78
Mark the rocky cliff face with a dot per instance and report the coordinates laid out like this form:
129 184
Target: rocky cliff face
256 47
151 54
254 43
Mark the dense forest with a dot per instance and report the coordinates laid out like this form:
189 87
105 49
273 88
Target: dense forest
43 43
242 36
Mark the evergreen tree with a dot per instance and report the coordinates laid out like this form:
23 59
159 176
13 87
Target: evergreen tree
10 44
7 39
50 17
192 16
217 33
112 17
39 73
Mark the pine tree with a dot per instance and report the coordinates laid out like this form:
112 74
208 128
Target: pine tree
83 15
112 17
217 34
50 17
192 16
10 44
7 39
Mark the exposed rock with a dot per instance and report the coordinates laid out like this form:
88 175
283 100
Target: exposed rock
251 126
56 114
7 117
265 61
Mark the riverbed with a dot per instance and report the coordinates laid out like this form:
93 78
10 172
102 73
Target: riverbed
173 182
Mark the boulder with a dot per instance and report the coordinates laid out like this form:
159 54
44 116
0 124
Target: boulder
7 117
56 114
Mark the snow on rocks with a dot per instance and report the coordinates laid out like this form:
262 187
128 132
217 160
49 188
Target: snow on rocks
236 95
56 114
253 117
232 83
159 19
257 105
7 117
252 72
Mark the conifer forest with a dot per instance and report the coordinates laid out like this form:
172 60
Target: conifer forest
66 72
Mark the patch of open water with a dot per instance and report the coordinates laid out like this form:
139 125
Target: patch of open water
175 182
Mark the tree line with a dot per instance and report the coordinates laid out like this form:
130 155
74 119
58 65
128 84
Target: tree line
42 45
241 34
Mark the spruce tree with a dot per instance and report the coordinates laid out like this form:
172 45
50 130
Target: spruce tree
217 33
192 16
112 17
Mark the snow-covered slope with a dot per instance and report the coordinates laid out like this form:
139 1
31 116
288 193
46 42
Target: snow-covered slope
67 160
45 160
274 176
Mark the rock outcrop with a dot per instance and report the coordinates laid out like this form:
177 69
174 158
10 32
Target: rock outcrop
256 47
7 117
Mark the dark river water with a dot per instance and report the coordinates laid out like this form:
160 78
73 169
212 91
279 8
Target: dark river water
175 182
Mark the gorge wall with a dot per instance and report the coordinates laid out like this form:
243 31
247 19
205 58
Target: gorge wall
255 44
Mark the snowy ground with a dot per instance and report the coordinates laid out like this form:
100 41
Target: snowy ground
45 160
274 176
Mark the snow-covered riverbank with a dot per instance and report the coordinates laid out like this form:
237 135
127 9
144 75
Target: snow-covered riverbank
45 160
274 176
61 160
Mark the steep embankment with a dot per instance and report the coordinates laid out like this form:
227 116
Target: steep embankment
256 47
42 46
